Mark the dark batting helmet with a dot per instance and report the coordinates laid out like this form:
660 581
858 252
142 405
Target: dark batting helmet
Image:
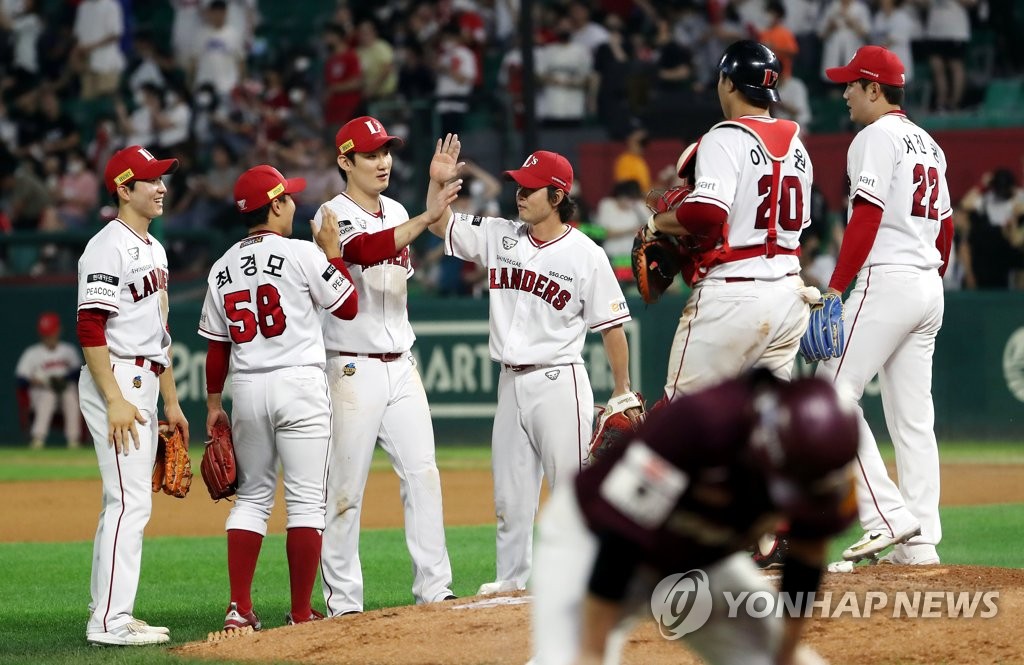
754 68
805 436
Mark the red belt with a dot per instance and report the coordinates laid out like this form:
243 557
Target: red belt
383 357
156 368
730 280
517 368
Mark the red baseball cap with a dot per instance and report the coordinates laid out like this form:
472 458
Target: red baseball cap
543 168
363 134
872 63
49 324
135 163
262 184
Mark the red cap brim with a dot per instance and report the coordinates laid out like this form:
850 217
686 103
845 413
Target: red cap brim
155 169
526 179
843 74
294 185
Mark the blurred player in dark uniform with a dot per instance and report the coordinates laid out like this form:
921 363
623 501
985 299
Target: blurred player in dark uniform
704 478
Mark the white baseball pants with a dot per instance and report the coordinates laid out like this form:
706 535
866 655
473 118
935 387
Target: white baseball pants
280 415
729 327
45 403
891 320
127 496
381 402
542 428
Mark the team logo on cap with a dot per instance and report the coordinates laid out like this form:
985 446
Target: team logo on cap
770 78
137 382
509 243
530 161
276 191
241 204
349 369
124 176
134 253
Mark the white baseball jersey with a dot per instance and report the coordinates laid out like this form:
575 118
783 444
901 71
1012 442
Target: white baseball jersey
43 363
543 297
122 273
383 322
896 165
264 287
734 172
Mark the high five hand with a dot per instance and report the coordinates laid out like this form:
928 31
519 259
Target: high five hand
445 165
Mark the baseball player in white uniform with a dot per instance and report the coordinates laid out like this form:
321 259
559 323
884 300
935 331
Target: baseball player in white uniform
262 309
376 390
752 180
751 199
47 370
549 285
122 326
897 245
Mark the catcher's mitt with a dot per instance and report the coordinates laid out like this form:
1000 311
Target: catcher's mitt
218 464
659 201
172 471
58 384
616 422
825 337
655 263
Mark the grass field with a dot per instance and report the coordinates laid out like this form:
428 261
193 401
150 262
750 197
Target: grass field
45 592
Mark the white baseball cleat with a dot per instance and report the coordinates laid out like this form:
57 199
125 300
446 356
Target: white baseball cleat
163 630
874 542
501 586
133 633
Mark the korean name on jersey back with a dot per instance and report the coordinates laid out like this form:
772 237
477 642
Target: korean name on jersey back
247 266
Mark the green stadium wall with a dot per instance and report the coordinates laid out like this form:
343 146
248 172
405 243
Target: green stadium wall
978 383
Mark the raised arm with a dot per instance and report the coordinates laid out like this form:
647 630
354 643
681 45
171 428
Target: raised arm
444 168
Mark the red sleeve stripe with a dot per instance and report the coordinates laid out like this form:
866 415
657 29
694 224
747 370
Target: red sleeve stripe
702 198
606 324
871 198
91 327
212 335
94 304
351 236
342 298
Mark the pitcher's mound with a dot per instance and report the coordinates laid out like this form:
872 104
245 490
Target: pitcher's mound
931 614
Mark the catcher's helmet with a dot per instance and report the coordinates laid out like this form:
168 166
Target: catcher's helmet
754 68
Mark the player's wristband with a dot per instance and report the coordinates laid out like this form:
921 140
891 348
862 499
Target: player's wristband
652 228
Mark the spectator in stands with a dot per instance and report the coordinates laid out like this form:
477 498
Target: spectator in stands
613 70
55 49
29 204
343 78
844 28
208 196
675 78
802 20
47 374
510 78
147 65
188 21
620 215
778 37
56 132
456 73
174 123
895 26
25 29
996 212
218 52
8 130
377 62
565 74
99 25
794 101
586 31
77 191
140 127
631 165
948 32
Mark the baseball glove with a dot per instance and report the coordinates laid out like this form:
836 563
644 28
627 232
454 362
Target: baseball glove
616 422
172 471
218 464
825 337
655 262
662 200
58 384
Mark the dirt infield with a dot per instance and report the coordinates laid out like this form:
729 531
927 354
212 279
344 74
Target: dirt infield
34 512
477 631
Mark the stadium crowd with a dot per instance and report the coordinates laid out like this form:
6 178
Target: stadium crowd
220 85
